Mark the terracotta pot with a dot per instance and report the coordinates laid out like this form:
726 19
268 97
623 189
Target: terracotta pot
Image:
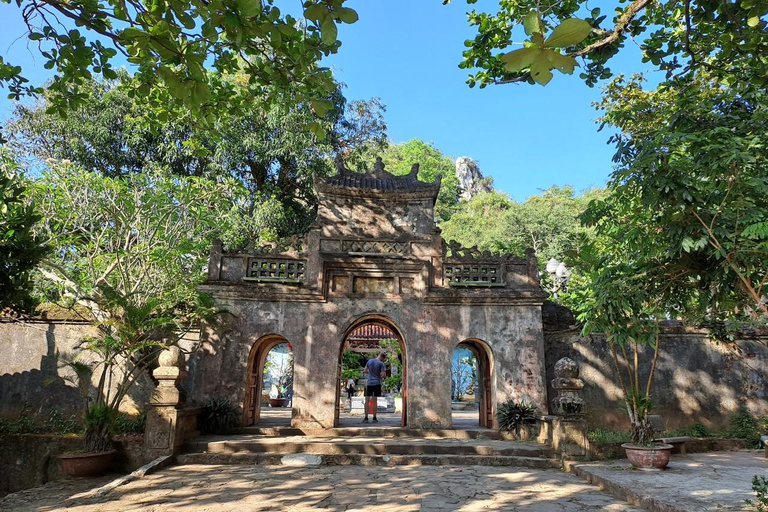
86 464
648 458
277 402
458 406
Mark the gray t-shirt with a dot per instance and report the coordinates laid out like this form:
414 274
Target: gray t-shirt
375 367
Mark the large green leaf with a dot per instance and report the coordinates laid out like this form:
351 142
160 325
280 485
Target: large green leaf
517 60
569 33
541 69
345 14
249 8
532 24
329 31
562 63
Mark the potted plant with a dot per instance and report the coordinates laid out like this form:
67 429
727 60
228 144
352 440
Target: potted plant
622 304
280 367
128 343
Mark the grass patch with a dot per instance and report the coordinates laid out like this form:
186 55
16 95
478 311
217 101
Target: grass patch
608 436
54 423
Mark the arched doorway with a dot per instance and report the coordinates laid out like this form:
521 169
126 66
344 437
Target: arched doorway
365 339
269 374
472 395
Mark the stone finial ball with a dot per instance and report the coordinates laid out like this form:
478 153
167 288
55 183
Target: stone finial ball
566 368
171 357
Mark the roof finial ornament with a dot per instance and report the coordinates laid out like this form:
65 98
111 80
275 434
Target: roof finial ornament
414 170
379 165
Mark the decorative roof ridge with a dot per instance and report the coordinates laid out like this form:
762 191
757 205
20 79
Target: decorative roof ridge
461 254
379 180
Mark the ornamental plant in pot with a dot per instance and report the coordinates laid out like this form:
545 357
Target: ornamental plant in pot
127 253
128 344
626 310
279 366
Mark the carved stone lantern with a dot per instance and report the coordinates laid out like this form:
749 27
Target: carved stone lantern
569 428
568 386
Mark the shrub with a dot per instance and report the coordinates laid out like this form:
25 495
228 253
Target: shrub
218 416
127 424
745 426
696 430
513 415
54 423
608 436
760 486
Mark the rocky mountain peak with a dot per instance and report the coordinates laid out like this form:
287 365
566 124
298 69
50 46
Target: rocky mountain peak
471 178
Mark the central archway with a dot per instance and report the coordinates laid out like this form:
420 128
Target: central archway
365 336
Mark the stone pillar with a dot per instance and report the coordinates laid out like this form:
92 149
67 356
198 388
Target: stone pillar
214 261
169 424
569 428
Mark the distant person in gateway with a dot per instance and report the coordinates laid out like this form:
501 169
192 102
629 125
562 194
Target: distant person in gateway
376 370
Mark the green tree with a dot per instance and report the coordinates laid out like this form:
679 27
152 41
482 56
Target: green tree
128 251
546 222
690 193
20 248
264 146
727 39
682 232
176 45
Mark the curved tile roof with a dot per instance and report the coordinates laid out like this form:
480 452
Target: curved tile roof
378 180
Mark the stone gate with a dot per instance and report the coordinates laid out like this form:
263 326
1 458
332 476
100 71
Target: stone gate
374 256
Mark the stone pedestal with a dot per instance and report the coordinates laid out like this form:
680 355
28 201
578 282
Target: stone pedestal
169 423
569 428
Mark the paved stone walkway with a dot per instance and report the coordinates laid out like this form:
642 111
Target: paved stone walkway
337 488
698 482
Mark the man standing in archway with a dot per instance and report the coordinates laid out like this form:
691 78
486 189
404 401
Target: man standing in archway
376 370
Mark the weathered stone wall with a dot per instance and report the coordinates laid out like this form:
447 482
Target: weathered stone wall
29 460
30 373
33 378
696 380
316 333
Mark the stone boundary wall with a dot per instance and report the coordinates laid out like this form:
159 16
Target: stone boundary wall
697 380
33 378
29 460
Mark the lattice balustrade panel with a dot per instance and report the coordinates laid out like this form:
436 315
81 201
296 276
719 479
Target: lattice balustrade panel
375 246
276 269
473 275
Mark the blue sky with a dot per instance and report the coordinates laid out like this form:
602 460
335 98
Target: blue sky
406 52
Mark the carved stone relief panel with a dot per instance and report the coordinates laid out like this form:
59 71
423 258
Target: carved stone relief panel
374 285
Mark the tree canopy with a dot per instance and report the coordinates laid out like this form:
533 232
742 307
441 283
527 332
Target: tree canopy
183 50
546 222
688 201
525 40
20 249
264 146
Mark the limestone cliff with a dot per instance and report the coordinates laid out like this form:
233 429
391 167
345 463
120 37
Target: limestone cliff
471 178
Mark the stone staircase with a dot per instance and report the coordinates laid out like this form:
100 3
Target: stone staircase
369 447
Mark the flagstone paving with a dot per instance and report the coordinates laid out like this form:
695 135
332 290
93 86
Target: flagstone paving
211 488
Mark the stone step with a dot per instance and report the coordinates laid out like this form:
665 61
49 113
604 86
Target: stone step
375 460
378 432
363 445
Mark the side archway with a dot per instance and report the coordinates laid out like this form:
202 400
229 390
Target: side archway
254 389
374 327
484 389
